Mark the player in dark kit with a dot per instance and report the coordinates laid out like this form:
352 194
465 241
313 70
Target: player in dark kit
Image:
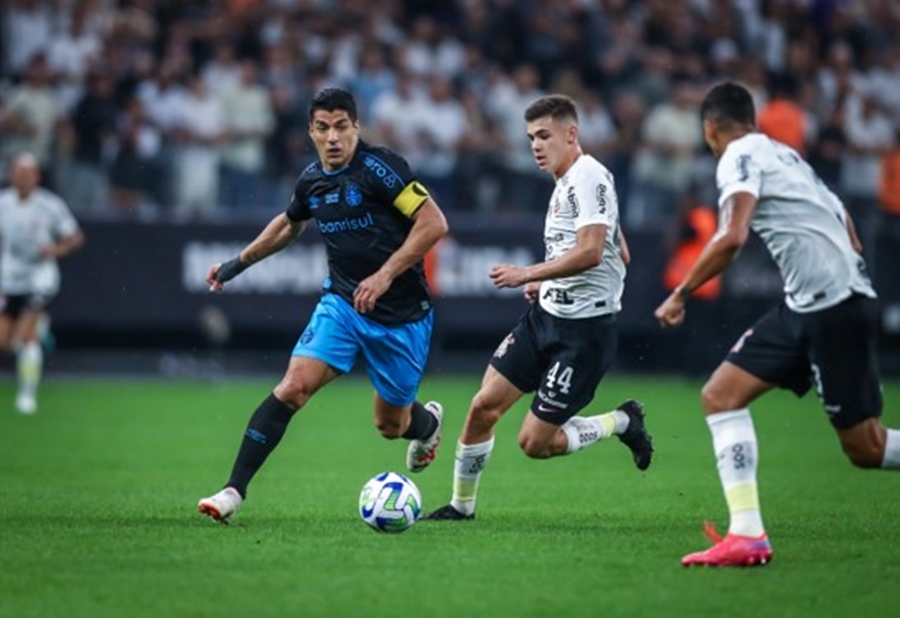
377 222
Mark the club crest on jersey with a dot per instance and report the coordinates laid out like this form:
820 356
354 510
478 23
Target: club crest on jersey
352 195
504 346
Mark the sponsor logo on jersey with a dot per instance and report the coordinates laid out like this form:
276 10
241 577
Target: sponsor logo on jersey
382 171
601 198
352 195
346 225
558 296
314 202
572 200
332 198
568 207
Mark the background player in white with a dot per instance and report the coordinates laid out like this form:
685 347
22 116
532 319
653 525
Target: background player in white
823 334
36 228
566 340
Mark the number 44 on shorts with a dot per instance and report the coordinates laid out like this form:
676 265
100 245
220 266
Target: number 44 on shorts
560 379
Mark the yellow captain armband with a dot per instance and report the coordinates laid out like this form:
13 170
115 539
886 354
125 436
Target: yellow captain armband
411 198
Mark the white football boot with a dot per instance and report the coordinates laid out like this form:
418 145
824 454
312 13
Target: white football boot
26 404
222 505
421 452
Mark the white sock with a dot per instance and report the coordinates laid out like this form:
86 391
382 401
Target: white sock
583 431
471 460
29 362
892 450
734 442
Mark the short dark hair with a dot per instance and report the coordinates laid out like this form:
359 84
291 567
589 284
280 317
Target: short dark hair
557 106
331 99
728 103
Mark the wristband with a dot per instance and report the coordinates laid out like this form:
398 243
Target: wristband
230 269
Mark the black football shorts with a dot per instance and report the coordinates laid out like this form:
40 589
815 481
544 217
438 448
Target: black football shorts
563 360
13 305
833 349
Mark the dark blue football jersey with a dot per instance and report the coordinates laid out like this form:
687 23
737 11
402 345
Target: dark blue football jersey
363 214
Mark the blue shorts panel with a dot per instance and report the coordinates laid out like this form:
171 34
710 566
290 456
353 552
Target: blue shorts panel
329 336
395 354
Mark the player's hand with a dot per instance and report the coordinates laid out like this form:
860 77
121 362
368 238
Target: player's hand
369 291
212 279
509 276
671 313
532 290
219 274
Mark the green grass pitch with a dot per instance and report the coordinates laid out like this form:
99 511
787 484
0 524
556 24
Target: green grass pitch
98 517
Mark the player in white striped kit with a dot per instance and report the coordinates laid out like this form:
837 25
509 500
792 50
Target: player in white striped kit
823 334
36 228
566 340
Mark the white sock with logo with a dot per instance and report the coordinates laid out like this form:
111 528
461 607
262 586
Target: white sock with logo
29 362
734 442
471 459
892 450
583 431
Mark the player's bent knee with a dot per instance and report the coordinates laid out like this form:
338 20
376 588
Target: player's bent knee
483 414
866 457
533 447
714 398
294 392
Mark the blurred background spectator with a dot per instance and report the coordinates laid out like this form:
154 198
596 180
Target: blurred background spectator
208 97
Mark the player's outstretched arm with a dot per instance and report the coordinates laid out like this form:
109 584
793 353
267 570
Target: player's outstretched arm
722 249
429 226
277 235
586 254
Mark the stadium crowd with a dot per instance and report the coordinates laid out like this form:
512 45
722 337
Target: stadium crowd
197 108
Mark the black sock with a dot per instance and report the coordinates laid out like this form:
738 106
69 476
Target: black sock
264 432
422 423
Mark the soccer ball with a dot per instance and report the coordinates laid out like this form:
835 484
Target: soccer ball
390 502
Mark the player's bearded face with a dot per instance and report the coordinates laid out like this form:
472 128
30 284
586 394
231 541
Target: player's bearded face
335 136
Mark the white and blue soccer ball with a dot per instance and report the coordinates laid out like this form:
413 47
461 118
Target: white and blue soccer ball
390 502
